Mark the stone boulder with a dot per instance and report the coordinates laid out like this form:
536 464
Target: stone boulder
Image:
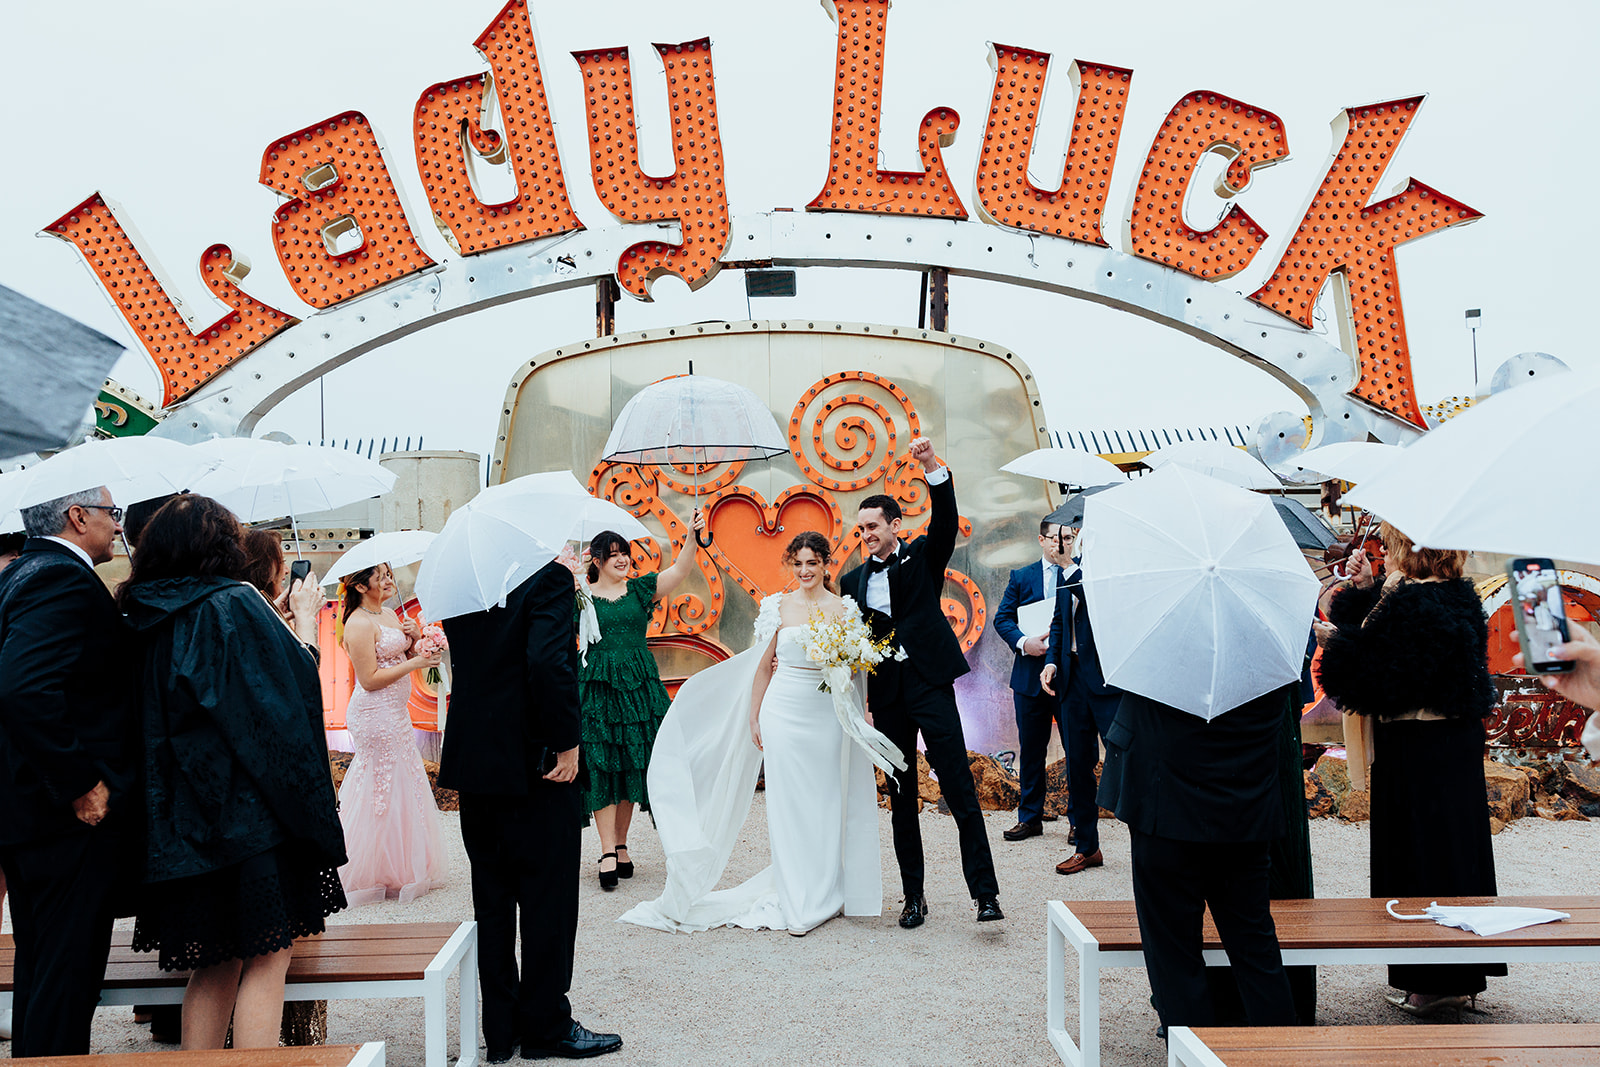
1508 791
1356 806
928 792
1055 782
1559 809
1578 781
998 789
1320 801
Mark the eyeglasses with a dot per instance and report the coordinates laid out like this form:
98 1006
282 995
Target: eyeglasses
115 513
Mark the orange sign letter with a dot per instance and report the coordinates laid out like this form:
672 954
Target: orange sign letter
694 194
343 231
1341 233
184 358
854 181
449 116
1200 123
1005 195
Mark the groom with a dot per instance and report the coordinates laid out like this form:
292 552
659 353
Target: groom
899 588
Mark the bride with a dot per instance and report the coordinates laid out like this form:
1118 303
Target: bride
822 811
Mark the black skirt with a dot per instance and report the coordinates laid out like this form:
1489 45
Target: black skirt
252 908
1430 831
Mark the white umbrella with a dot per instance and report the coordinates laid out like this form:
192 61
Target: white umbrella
132 468
396 549
697 420
1068 466
10 490
1507 475
1350 461
1200 598
1217 459
501 537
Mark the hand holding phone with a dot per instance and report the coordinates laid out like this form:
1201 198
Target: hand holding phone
1541 614
298 570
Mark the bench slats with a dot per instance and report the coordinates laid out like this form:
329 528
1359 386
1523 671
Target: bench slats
1501 1044
309 1056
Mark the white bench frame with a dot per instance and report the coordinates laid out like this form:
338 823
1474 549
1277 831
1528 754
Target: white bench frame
1064 929
459 956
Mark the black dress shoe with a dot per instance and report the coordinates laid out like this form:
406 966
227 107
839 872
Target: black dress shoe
500 1055
608 879
915 911
580 1043
1024 830
989 910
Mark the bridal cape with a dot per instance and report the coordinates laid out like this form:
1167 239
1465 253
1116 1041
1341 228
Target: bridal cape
702 780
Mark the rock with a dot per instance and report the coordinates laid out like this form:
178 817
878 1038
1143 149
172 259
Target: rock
998 789
1334 773
1055 799
1495 825
1507 791
1320 803
1560 809
927 789
338 764
1356 806
1577 781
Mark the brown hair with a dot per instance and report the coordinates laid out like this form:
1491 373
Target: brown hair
1414 561
190 537
263 551
817 543
352 595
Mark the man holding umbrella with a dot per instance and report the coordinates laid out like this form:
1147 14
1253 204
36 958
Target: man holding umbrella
1088 704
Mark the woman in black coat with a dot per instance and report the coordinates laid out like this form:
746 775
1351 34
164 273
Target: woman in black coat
1411 659
244 842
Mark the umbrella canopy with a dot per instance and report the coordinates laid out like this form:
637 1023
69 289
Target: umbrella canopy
1200 598
501 537
1217 459
1303 524
1455 487
1071 513
258 479
132 468
53 368
1351 461
10 489
694 419
396 549
1068 466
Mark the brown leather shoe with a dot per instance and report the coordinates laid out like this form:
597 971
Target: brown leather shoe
1047 817
1024 830
1079 862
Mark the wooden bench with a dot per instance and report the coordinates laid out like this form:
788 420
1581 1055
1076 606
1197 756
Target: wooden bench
1105 933
368 1055
1499 1044
377 961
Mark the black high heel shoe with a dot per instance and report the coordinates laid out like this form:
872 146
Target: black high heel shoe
608 879
624 867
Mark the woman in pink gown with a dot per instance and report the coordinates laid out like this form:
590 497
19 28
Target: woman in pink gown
392 831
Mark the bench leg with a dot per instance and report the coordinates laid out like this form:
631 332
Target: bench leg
1088 1055
467 978
1089 1007
433 1021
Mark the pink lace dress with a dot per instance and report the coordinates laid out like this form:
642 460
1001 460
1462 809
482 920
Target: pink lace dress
392 831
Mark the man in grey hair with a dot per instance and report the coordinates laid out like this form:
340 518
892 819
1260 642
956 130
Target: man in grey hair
67 740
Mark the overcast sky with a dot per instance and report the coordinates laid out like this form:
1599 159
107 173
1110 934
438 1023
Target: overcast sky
167 106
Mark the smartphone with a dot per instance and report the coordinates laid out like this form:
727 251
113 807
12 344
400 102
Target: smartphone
1541 614
299 571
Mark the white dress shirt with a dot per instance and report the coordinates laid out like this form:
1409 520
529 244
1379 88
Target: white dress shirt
80 553
878 582
1052 578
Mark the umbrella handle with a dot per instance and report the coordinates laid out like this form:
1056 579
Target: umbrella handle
705 543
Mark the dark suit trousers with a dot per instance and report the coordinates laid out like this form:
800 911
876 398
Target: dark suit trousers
932 710
1034 716
1085 718
524 853
1173 881
61 910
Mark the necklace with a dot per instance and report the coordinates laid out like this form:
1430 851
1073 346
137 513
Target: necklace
369 611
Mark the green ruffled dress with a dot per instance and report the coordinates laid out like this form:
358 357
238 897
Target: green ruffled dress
623 699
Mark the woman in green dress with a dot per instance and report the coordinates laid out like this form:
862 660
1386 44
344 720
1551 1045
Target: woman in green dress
623 699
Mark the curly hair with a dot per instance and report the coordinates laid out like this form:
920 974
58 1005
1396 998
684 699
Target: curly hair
190 537
1414 561
603 546
817 543
263 552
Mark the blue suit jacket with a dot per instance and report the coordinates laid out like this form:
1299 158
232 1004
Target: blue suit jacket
1025 587
1070 590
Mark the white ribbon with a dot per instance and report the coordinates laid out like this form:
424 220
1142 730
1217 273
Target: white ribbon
884 753
588 620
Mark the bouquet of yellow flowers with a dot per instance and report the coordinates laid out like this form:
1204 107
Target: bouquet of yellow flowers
842 645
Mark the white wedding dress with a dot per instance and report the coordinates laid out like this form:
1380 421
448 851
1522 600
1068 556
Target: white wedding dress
822 810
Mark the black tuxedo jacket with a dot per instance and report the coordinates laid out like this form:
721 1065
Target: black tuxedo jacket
916 583
1070 599
515 697
67 716
1174 775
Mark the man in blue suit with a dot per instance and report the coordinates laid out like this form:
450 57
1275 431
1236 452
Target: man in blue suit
1088 705
1036 710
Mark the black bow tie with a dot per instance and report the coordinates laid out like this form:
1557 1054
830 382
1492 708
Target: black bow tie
876 565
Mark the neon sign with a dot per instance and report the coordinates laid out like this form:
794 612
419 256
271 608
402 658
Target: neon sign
344 232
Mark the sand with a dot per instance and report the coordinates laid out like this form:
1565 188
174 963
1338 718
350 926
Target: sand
860 991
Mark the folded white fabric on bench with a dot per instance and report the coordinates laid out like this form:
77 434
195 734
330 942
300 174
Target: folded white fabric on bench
1484 921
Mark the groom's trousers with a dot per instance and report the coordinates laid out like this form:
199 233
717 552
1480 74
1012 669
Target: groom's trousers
915 706
524 853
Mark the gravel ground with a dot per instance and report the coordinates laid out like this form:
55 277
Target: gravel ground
953 992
